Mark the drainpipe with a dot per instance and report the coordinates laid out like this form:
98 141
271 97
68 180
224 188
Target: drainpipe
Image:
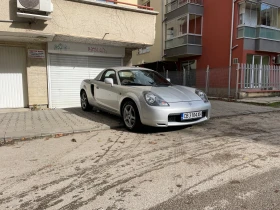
162 30
230 48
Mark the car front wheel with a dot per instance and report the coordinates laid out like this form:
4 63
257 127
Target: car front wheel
84 102
131 116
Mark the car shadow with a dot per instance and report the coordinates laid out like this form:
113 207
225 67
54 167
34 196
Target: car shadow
96 116
150 130
115 122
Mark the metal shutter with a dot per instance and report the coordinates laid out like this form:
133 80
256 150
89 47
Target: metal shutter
68 71
13 82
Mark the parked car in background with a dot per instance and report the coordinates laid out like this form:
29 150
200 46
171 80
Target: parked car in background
143 96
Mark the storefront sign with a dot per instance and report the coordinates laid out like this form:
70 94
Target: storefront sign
85 49
97 49
36 54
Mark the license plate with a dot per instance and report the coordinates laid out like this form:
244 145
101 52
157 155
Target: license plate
191 115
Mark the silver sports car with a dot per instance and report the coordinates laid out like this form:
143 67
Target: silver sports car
143 96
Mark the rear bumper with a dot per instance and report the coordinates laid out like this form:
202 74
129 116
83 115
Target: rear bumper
170 116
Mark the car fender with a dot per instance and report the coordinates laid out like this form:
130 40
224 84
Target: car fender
83 85
133 97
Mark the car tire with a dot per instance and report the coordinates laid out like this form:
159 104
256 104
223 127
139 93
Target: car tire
131 117
84 102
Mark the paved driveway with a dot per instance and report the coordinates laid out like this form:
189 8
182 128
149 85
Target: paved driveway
224 164
34 124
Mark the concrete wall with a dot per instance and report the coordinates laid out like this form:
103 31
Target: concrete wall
156 50
37 77
130 1
76 19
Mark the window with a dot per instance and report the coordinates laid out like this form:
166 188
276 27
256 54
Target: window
195 24
170 5
109 74
269 15
147 4
248 14
183 25
257 59
177 27
256 76
142 78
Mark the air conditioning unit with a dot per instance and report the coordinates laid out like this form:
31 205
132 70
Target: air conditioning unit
277 61
38 9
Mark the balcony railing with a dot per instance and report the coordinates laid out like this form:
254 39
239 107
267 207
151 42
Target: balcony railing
174 4
183 40
259 32
127 4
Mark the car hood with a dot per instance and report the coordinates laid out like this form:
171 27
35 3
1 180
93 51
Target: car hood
172 94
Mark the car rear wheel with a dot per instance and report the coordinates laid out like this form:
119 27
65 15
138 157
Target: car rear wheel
131 116
84 102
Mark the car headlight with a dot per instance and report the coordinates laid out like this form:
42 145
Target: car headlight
202 95
153 99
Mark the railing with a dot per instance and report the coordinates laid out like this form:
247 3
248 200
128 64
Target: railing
259 32
268 33
259 77
174 4
183 40
216 82
129 4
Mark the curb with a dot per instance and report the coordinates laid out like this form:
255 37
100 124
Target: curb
12 140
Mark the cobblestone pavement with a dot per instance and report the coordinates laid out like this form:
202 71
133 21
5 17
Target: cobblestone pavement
35 124
225 163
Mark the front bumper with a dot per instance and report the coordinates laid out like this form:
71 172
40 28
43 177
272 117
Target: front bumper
157 116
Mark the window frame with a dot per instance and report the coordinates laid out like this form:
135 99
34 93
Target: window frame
102 78
272 8
188 26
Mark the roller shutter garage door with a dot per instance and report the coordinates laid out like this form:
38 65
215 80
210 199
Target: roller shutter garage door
13 77
68 71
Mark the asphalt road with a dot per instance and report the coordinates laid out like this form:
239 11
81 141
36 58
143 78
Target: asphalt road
226 163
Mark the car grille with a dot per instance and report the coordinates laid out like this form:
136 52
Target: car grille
177 117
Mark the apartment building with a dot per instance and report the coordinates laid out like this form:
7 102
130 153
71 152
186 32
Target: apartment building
47 47
220 33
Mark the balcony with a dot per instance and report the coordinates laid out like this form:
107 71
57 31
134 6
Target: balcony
183 40
123 4
265 38
172 5
177 8
188 44
259 32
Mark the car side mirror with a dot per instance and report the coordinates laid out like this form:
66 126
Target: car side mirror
168 79
109 81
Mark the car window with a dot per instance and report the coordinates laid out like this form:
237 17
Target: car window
109 74
142 78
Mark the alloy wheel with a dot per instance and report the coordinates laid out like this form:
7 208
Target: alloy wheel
129 116
84 100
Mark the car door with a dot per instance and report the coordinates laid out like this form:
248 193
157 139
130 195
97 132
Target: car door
106 95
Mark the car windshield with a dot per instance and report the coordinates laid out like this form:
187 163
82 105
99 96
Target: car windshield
136 77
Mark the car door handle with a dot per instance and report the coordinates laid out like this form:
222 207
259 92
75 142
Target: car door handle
97 87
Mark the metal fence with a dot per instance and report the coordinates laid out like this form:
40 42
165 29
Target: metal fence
258 77
216 82
227 82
